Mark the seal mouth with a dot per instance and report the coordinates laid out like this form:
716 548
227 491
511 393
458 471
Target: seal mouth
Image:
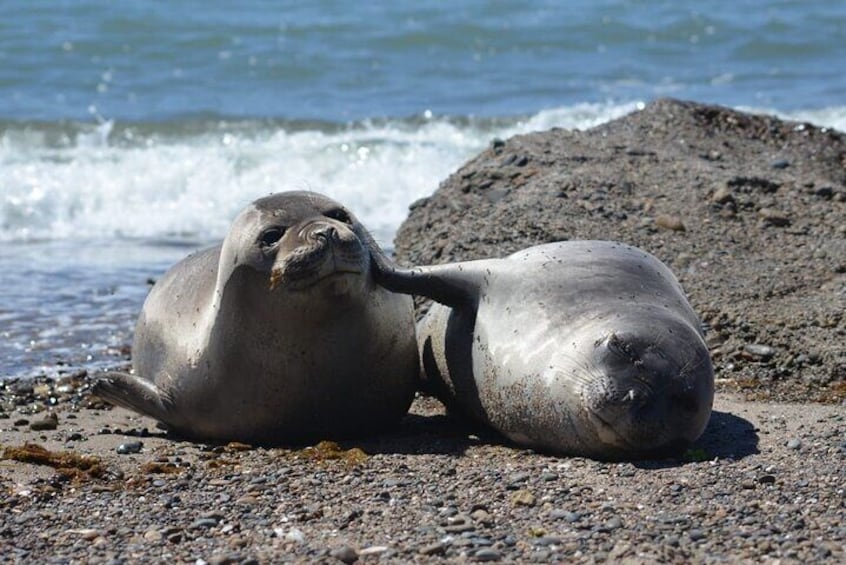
303 280
607 431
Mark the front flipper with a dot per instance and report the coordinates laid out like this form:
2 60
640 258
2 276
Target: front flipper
452 284
139 395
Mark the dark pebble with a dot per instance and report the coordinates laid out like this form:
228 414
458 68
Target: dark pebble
437 548
130 447
203 523
49 422
487 554
612 524
780 164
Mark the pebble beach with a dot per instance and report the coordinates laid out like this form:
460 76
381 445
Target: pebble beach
82 482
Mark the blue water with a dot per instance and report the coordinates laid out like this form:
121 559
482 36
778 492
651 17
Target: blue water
132 132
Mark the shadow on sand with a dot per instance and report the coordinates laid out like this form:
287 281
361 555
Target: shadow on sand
726 437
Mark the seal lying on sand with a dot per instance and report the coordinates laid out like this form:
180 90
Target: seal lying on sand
582 348
279 334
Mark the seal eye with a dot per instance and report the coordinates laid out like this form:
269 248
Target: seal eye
271 236
339 214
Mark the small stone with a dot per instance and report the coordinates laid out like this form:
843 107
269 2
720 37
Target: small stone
774 217
153 536
224 559
759 351
780 163
696 535
130 447
612 524
437 548
89 534
766 479
825 192
482 516
48 422
722 195
565 515
203 523
295 535
248 500
373 550
345 554
668 222
522 497
487 554
459 523
794 443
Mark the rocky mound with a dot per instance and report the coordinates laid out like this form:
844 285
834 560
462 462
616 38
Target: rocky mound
749 211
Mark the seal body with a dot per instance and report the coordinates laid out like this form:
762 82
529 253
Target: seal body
277 335
582 348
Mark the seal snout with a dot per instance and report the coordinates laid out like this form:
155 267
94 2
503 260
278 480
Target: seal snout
318 250
320 232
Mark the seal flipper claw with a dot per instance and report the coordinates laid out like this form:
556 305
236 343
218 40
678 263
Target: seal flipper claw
134 393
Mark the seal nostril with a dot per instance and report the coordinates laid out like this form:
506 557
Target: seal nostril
325 232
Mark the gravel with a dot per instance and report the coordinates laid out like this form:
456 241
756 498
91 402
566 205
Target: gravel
766 482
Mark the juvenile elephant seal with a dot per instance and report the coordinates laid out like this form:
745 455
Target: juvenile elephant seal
583 348
279 334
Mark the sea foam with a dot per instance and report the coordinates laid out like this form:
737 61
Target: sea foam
175 181
186 181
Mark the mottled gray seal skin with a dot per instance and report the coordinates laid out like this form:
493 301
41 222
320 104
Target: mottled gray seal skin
277 335
583 348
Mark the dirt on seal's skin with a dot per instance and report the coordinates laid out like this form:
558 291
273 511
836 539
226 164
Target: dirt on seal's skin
749 211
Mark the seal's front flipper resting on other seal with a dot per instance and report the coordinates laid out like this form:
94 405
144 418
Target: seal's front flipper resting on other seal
123 389
277 335
579 347
453 284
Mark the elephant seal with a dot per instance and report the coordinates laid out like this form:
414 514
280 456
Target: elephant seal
277 335
583 348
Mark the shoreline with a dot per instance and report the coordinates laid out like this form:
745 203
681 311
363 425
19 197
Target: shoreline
766 481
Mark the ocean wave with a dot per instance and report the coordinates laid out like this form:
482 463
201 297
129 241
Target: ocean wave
187 179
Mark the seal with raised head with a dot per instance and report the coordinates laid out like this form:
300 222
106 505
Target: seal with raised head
581 347
277 335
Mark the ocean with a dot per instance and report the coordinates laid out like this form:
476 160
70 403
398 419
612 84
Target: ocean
131 133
